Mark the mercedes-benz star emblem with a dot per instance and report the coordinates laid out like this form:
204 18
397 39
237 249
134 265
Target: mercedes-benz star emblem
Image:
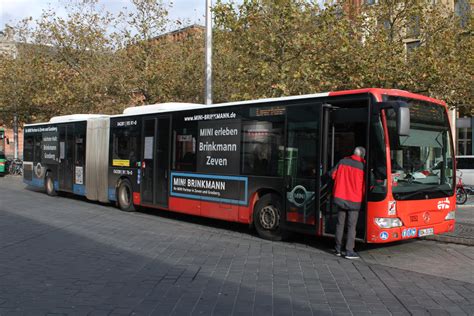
426 217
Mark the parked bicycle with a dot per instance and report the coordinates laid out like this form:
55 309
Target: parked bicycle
15 167
462 192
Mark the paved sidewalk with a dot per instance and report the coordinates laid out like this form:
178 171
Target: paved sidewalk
66 256
464 229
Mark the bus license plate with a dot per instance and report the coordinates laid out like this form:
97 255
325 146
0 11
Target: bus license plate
425 232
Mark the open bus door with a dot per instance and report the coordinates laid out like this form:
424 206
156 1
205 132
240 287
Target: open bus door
301 166
344 128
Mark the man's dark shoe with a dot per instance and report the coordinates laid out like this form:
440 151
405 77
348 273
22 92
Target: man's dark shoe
351 255
337 252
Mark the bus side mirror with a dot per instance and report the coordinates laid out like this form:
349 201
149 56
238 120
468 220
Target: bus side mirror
403 115
403 121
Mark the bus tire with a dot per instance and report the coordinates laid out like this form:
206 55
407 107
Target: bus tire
49 185
266 217
125 196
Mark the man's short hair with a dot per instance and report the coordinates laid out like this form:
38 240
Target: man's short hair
359 151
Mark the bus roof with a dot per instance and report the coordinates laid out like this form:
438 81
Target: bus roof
161 107
172 107
70 118
176 106
75 117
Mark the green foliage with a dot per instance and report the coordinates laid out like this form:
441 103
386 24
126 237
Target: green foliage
92 61
275 48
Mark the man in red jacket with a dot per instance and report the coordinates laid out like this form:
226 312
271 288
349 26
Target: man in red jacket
348 195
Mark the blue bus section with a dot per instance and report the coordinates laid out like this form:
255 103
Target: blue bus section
34 182
79 189
111 194
215 188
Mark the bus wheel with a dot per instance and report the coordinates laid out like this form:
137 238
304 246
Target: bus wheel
266 217
49 185
125 196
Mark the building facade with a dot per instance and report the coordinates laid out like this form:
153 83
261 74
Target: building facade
10 144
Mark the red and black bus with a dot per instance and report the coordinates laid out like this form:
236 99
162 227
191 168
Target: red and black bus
262 162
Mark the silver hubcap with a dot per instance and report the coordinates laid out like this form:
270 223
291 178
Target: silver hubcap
124 196
269 217
49 185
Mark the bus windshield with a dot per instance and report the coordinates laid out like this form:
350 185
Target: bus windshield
422 164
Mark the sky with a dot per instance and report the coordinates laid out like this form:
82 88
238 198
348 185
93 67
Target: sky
12 11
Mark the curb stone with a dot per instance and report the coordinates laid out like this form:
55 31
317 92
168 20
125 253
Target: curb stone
463 234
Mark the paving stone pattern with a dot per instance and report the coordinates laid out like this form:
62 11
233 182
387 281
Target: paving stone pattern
67 256
464 230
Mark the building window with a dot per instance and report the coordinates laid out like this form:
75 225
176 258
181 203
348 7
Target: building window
465 141
462 9
411 46
414 27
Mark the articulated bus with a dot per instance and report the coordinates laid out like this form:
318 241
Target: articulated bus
263 163
2 152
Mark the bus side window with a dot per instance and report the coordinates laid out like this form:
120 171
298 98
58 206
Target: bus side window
126 145
28 148
80 143
302 142
262 142
38 151
80 152
184 149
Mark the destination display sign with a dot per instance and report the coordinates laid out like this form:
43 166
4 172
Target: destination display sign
223 189
267 111
218 146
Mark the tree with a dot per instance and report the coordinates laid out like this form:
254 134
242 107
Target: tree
93 61
263 48
56 68
440 65
274 48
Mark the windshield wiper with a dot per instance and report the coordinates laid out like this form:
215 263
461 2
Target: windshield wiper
425 190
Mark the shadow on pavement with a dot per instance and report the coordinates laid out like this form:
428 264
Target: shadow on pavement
321 243
49 269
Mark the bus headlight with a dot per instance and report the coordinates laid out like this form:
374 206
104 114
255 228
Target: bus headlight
384 222
451 215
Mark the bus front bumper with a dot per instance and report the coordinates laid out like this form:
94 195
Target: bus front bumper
380 235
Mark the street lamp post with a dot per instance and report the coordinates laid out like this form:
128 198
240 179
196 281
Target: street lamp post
15 133
208 66
15 120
